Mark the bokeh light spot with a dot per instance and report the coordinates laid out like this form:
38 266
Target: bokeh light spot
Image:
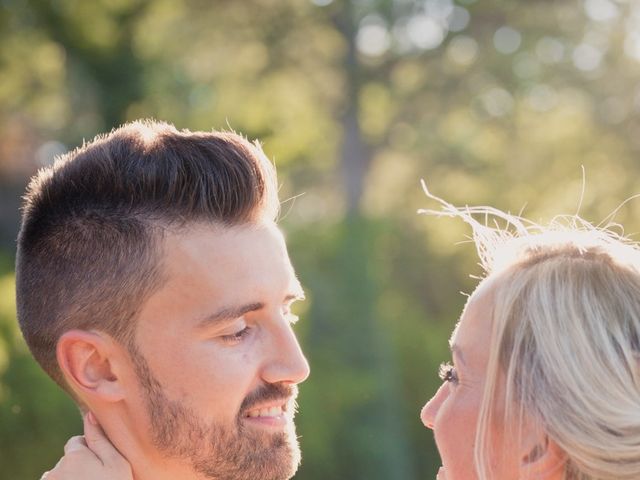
550 50
425 32
587 57
462 50
497 102
507 40
48 151
601 10
459 19
632 44
373 37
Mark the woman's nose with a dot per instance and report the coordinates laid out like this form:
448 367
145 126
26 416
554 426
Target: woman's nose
430 410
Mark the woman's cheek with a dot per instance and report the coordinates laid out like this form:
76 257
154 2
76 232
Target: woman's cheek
454 433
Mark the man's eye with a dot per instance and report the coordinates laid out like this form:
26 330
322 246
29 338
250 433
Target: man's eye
447 373
236 337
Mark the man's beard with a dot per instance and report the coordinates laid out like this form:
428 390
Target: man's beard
217 451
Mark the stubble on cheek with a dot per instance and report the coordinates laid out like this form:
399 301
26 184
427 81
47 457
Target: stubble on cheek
217 450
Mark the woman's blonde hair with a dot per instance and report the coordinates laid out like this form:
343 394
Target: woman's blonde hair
565 338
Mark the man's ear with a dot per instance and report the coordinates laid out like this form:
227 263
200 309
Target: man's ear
541 457
91 362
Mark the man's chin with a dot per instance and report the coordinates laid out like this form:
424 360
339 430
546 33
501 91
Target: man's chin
274 456
288 448
289 462
284 455
275 453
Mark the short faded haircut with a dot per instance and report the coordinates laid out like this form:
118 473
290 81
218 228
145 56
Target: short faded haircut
90 244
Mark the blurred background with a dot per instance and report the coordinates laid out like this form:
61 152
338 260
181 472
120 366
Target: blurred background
495 102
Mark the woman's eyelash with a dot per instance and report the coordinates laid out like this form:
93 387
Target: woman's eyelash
447 373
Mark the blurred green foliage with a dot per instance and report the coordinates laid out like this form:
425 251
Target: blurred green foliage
493 102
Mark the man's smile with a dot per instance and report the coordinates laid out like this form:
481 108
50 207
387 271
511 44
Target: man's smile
272 414
273 411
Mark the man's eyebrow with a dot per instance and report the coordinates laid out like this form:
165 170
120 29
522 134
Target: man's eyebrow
458 352
229 313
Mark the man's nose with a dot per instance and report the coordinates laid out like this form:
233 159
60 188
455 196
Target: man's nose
430 410
287 363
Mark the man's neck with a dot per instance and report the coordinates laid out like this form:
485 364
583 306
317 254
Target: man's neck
148 469
147 463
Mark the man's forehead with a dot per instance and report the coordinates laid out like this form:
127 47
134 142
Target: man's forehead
213 237
244 257
210 272
222 229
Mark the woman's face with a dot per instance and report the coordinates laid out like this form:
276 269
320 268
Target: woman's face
453 412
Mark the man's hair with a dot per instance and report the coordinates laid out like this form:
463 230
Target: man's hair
565 336
90 245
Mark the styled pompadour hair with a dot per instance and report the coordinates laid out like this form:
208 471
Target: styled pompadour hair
90 244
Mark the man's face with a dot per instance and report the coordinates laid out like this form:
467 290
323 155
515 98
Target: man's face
216 356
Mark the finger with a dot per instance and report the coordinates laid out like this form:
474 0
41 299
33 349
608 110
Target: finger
75 444
98 441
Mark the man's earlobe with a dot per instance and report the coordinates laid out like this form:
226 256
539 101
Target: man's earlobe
89 362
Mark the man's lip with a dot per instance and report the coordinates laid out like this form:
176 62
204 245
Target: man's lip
266 405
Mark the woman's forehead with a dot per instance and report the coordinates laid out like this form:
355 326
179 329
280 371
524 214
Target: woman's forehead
472 334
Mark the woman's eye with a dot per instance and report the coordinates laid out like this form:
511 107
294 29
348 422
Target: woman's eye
236 337
447 373
289 315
